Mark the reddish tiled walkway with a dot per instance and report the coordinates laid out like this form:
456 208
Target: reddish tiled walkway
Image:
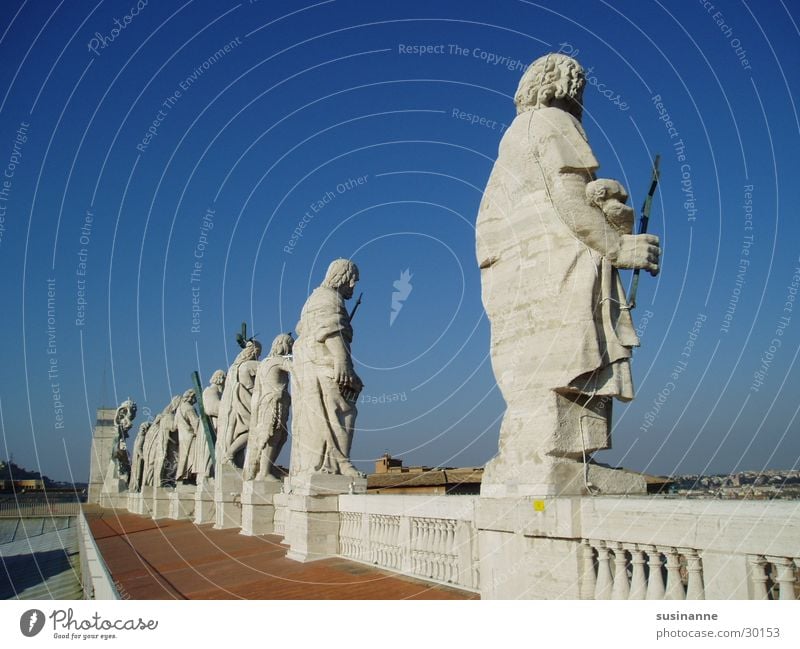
169 559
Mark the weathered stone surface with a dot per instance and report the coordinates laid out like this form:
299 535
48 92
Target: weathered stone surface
325 387
227 497
258 509
561 331
204 504
204 453
233 425
161 500
181 502
270 412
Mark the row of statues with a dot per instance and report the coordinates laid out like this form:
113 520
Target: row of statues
550 241
246 410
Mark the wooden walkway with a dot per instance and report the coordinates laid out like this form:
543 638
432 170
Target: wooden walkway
169 559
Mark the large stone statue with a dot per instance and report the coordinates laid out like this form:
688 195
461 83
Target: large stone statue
234 410
212 397
561 330
161 447
325 386
123 420
138 462
188 423
270 412
149 451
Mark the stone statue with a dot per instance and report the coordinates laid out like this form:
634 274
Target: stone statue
123 420
212 397
188 423
234 409
270 412
561 330
137 464
161 447
324 384
149 452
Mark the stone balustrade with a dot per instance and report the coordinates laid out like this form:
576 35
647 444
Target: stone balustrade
604 547
738 549
433 538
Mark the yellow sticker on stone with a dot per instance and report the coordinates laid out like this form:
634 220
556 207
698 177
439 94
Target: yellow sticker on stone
538 505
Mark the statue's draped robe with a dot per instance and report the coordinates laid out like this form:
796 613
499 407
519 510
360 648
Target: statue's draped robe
202 455
188 423
323 420
270 406
234 409
138 462
557 307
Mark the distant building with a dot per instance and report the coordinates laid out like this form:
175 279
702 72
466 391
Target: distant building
391 477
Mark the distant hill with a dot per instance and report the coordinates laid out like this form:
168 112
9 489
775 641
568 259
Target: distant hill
11 471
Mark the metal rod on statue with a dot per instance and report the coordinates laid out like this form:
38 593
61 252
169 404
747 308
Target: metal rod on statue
207 428
355 307
643 222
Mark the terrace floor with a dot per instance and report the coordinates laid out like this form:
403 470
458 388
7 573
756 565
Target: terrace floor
169 559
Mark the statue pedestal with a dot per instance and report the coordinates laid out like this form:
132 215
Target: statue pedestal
204 506
312 526
181 502
258 509
136 503
161 497
146 496
115 490
325 484
227 497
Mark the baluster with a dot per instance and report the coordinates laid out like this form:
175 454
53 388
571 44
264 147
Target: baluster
414 541
758 574
785 576
674 582
379 539
434 569
638 578
604 581
621 588
447 550
427 563
442 553
384 540
437 544
694 587
588 579
452 551
398 561
420 549
655 582
373 538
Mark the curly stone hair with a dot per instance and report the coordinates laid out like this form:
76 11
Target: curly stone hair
340 272
282 345
550 78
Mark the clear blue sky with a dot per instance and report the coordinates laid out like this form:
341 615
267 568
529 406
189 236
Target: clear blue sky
144 129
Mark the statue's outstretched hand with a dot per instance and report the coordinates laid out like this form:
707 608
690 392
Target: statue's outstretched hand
639 251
